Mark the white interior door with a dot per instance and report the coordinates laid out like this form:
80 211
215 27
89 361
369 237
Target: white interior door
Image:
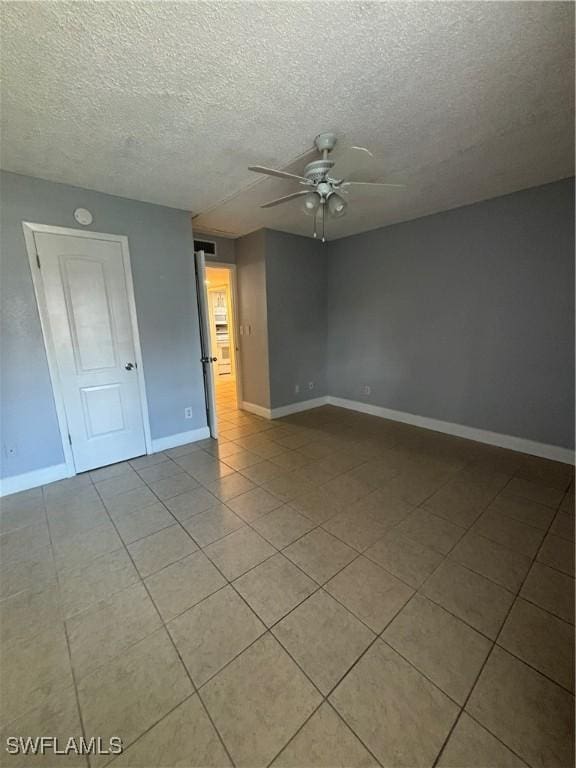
86 298
208 356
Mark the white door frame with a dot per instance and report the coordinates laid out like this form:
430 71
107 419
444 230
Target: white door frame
236 328
30 229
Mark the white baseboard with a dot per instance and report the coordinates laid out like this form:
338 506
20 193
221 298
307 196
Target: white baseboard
173 441
304 405
257 410
283 410
33 479
554 452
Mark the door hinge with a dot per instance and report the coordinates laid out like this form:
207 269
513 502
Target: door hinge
38 259
69 438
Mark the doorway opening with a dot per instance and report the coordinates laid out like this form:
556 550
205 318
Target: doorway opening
220 348
220 290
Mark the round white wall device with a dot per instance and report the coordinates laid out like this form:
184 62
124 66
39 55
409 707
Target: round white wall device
83 216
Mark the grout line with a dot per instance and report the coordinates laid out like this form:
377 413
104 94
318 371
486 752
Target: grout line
488 656
177 651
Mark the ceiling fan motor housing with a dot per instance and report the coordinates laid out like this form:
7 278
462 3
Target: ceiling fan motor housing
317 170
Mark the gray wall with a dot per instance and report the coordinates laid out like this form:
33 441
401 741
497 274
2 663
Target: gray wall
252 311
160 241
465 316
225 247
296 275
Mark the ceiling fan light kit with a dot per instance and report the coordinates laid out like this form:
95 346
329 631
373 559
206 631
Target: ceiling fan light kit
324 191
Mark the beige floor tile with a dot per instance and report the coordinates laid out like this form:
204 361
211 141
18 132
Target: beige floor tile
127 481
227 488
26 613
541 640
242 459
161 549
282 526
213 524
542 494
318 505
185 737
73 490
78 549
545 472
430 531
187 505
384 508
131 693
259 701
238 552
529 713
35 573
447 651
109 627
490 559
369 592
461 502
97 580
143 462
320 554
13 519
183 450
473 746
557 553
407 559
290 460
159 471
181 585
323 638
263 471
508 532
213 632
212 473
74 521
551 590
113 470
347 488
252 505
473 598
528 512
143 522
56 716
18 545
274 587
33 671
287 486
401 717
357 528
325 741
173 486
128 502
20 502
563 525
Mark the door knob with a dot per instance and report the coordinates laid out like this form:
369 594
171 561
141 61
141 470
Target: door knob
129 366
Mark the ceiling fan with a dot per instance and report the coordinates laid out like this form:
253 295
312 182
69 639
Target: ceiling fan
324 194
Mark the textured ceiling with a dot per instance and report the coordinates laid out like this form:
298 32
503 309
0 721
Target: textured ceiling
170 102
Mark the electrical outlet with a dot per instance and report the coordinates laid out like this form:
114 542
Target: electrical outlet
188 413
310 385
367 389
296 388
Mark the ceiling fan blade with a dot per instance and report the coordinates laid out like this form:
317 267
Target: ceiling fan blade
274 172
351 162
370 184
285 199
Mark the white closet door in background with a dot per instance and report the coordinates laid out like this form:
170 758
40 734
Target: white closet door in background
86 296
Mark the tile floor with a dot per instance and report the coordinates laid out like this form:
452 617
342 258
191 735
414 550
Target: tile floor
326 590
